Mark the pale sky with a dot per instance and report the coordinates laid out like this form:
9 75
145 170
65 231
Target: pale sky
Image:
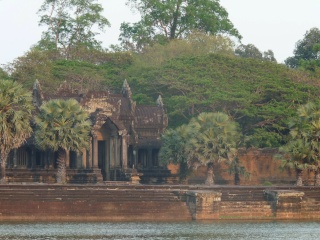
268 24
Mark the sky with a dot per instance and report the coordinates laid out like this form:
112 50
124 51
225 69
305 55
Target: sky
268 24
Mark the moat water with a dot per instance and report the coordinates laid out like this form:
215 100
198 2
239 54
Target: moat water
162 231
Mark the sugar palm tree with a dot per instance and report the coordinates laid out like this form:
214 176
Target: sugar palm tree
237 170
214 139
15 114
62 125
303 149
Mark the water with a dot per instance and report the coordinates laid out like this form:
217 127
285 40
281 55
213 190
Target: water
162 231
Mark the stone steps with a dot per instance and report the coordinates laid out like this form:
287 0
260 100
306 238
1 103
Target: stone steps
68 202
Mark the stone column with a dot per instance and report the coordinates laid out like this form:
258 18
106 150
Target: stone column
108 158
116 152
95 152
15 158
79 160
51 159
124 152
84 158
111 152
33 159
89 155
149 162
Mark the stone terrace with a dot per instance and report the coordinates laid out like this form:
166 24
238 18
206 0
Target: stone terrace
126 202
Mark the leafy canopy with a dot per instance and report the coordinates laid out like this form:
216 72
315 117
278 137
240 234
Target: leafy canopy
207 138
15 116
62 124
303 148
70 24
162 21
306 52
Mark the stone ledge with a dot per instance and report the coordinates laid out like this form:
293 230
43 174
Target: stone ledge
277 194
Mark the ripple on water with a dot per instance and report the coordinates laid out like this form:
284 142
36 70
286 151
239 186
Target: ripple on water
162 231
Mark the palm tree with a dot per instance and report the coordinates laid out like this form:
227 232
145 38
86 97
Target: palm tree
15 114
62 125
237 169
295 155
214 139
303 149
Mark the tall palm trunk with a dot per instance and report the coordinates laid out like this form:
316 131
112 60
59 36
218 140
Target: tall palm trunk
210 175
317 177
3 162
236 178
62 169
299 177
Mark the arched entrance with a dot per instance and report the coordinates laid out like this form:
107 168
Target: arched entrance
108 152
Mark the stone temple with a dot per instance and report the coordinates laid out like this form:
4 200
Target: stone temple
125 141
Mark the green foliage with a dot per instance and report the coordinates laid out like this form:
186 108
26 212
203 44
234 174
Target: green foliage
251 51
303 148
92 70
174 145
267 183
196 44
236 169
162 21
70 25
3 74
208 138
307 49
260 95
15 116
214 138
62 124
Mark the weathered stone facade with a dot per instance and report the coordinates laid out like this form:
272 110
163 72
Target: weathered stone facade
124 137
262 166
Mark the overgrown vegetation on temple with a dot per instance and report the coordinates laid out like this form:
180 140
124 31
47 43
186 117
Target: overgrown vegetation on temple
190 61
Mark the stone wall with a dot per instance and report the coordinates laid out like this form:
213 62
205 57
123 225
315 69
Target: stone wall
125 202
261 165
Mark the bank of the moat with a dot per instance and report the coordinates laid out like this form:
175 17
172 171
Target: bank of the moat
126 202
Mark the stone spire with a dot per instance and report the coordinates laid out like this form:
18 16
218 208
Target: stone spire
126 90
37 95
159 101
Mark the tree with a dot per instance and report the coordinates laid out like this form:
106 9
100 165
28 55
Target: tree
303 148
162 21
70 24
3 74
208 139
15 115
307 49
214 139
251 51
174 147
195 44
62 125
237 169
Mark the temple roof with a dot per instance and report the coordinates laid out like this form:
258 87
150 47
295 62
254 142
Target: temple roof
145 124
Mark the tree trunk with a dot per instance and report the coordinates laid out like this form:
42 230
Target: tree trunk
210 175
62 169
299 177
3 161
236 178
317 177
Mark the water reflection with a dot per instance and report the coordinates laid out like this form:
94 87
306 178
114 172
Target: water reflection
161 231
